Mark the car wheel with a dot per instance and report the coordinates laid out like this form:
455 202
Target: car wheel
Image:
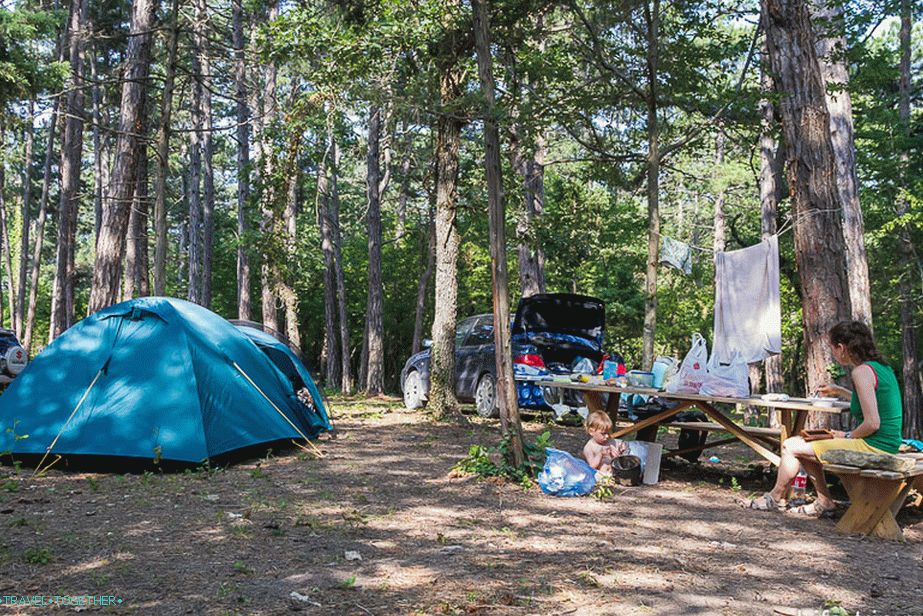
413 391
485 397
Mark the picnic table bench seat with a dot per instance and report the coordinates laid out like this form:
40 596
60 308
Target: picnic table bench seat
875 497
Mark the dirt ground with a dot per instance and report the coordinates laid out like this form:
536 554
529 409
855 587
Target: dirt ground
379 526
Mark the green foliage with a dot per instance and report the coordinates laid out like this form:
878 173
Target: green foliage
37 556
497 461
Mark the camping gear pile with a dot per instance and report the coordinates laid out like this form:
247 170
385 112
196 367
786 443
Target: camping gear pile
161 379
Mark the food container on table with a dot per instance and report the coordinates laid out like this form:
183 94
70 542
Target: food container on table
823 401
639 378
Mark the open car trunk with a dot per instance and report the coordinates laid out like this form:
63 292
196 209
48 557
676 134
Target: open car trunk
562 327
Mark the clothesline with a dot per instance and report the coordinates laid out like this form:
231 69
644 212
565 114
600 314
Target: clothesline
786 227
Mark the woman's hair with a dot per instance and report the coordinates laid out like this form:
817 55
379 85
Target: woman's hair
857 337
597 420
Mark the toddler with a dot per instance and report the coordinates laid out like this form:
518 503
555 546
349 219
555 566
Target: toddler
600 451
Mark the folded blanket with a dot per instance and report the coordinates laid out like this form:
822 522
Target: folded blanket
879 461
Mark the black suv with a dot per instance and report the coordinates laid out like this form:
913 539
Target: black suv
549 332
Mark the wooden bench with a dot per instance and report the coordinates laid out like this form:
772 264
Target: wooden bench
875 498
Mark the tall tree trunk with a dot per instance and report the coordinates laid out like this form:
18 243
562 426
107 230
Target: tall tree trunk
62 299
531 170
820 250
507 398
243 162
135 275
831 52
290 219
194 174
913 398
110 248
208 176
346 375
26 220
404 196
7 253
40 226
374 325
100 169
720 228
262 134
652 16
330 356
769 205
442 400
423 283
163 160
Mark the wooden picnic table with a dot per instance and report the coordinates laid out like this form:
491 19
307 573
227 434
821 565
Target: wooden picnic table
793 414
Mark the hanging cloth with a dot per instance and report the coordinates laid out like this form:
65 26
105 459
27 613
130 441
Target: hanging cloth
748 315
676 254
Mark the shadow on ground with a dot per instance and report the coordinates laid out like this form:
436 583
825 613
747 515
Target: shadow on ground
378 526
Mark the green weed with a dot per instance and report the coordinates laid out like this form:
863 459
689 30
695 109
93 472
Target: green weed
348 582
37 556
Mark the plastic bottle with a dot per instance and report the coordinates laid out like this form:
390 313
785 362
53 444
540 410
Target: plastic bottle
799 485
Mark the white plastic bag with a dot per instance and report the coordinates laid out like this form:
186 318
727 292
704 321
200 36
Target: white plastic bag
727 380
693 370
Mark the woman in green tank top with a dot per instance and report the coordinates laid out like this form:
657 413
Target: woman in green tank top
875 404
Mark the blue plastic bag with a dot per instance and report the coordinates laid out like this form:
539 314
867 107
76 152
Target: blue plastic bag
565 475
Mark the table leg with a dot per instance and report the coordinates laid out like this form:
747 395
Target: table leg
612 407
871 502
737 431
593 401
654 419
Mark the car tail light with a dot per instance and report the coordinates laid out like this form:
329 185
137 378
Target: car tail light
530 359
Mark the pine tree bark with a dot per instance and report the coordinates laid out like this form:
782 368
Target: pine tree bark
136 264
290 217
423 283
62 299
913 397
442 400
204 81
101 169
262 130
7 254
652 17
346 374
330 356
820 249
507 399
40 227
110 248
831 52
374 383
161 243
243 161
26 220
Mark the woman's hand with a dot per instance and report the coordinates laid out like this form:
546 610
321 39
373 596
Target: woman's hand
838 434
834 391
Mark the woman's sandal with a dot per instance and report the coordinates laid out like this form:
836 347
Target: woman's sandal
812 510
764 503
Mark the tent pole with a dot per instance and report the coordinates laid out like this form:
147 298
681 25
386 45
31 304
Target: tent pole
279 411
74 412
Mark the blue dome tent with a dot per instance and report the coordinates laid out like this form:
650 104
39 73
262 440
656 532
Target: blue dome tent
155 378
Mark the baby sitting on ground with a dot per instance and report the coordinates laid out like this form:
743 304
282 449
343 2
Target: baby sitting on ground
600 450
